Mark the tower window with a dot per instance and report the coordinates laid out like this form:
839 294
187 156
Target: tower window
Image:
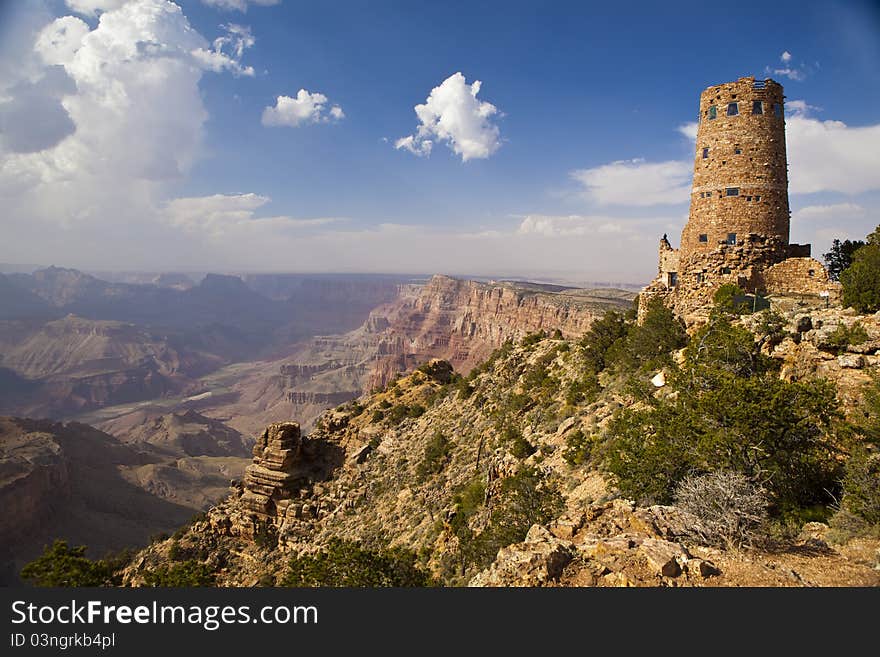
757 198
725 270
812 272
731 238
737 151
757 107
705 153
732 191
704 237
732 109
748 198
777 109
713 112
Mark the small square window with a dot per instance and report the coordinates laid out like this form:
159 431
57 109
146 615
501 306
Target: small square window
748 198
732 191
777 109
757 107
705 153
704 237
812 272
713 112
757 198
725 270
737 151
732 109
731 238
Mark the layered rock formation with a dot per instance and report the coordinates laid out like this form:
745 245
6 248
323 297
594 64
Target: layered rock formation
271 478
460 321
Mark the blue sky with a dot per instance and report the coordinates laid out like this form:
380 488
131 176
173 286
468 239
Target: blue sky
579 164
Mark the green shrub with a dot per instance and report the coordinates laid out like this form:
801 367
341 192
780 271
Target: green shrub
437 370
521 448
464 388
435 457
266 535
861 486
648 346
344 563
532 339
602 335
861 280
397 414
60 565
729 298
184 574
377 416
577 448
523 500
582 390
732 412
840 257
844 336
771 327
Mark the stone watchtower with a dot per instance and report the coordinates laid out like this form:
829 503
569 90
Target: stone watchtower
738 226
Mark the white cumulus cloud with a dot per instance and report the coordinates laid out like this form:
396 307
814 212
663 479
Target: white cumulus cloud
221 214
689 130
120 117
636 182
785 57
94 7
307 107
238 5
832 156
453 114
59 40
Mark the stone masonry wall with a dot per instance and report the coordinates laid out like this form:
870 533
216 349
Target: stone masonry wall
800 276
746 153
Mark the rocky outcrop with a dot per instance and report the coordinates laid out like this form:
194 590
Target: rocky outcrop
272 476
615 544
285 467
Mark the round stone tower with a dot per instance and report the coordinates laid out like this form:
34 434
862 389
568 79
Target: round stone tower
738 228
740 170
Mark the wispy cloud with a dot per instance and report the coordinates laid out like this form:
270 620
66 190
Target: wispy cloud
238 5
636 182
788 69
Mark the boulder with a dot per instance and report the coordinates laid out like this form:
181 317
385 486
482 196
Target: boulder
851 361
536 561
664 558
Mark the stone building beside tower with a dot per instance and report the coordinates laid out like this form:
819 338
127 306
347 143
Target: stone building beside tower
738 226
